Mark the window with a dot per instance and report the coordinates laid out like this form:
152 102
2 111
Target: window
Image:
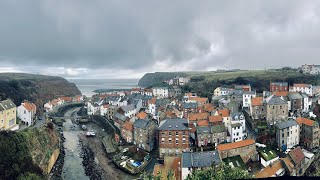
273 107
177 133
282 141
280 107
169 133
287 133
11 122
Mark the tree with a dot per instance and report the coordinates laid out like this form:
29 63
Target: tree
223 172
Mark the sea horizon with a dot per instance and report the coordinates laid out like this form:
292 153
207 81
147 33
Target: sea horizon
87 86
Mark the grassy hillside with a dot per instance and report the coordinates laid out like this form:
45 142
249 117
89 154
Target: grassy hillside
35 88
258 79
27 152
205 82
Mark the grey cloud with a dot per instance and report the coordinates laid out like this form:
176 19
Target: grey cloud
139 35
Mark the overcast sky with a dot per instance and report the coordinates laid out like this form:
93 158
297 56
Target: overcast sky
126 38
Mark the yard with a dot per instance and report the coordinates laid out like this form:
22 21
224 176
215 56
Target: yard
268 154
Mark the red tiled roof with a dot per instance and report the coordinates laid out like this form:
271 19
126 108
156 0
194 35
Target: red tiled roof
281 93
224 112
142 115
215 118
170 163
269 171
296 155
128 126
305 121
153 101
66 98
257 101
301 85
208 107
29 106
198 116
228 146
202 123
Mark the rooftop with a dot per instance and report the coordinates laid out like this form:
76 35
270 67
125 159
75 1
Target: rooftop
178 124
218 129
305 121
200 159
286 124
270 171
203 129
234 145
296 155
268 154
141 123
236 125
275 100
257 101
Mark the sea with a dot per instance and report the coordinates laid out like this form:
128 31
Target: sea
87 86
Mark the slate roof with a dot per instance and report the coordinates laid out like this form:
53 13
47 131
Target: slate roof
203 129
218 129
275 100
279 83
178 124
286 124
295 96
120 116
7 104
200 159
190 105
128 108
142 124
249 92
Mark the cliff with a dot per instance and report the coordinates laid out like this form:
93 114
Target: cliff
35 88
32 151
153 78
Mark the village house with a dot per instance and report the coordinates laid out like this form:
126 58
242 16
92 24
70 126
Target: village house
225 91
237 127
127 132
287 134
173 137
195 117
276 109
111 112
245 88
225 115
246 149
302 88
128 111
218 134
147 92
294 163
257 109
8 115
309 133
278 86
311 69
203 135
152 108
191 161
119 120
104 109
215 120
296 102
188 108
161 92
92 108
144 134
247 96
27 113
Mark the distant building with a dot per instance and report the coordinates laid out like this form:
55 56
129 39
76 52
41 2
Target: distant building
279 86
162 92
311 69
247 96
257 109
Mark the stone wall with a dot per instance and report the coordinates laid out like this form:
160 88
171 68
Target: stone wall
53 160
245 152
